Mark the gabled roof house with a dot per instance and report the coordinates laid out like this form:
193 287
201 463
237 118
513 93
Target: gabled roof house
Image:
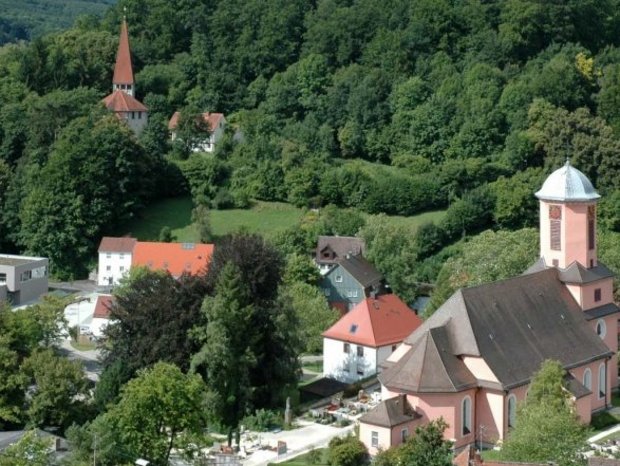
471 361
356 345
215 124
350 281
118 255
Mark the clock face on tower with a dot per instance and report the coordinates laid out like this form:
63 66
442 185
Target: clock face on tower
555 212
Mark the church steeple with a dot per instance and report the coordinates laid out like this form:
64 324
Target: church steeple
123 72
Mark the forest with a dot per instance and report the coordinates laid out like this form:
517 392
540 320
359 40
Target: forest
29 19
393 108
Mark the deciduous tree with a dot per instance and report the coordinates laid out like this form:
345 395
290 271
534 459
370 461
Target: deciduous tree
547 427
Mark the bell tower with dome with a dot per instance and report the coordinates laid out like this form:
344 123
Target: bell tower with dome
568 219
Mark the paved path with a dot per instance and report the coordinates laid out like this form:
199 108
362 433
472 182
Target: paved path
298 441
90 359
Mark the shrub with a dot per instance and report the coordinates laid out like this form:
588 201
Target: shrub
263 420
347 451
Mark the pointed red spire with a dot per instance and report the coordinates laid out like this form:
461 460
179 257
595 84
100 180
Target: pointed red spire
123 73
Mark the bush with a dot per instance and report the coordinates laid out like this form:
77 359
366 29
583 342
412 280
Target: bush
223 200
603 419
347 451
263 420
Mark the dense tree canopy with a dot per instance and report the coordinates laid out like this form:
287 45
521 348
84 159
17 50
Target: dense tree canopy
153 314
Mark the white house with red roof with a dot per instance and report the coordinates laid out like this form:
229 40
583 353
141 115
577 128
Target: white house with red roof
122 100
118 255
101 315
216 124
356 345
114 259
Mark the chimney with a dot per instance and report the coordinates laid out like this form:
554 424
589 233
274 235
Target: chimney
403 400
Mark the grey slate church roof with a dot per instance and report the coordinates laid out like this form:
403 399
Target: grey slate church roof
513 324
567 184
391 412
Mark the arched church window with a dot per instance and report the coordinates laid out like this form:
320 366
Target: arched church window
466 416
587 379
601 329
512 410
602 381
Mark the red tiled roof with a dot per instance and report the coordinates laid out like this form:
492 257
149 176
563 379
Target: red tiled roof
120 101
174 257
212 119
376 322
111 244
102 307
123 73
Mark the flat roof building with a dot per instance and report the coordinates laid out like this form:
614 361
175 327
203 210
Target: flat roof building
22 278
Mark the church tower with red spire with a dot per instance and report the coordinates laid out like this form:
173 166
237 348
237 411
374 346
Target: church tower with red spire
123 71
122 100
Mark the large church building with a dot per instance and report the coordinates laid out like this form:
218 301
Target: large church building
471 362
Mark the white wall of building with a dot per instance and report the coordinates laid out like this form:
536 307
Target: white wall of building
112 267
136 120
347 366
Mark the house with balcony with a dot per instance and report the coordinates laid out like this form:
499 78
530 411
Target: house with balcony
355 347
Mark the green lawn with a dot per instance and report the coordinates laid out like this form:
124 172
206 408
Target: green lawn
415 221
263 217
174 213
313 366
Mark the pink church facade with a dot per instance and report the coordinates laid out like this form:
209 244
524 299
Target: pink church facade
471 361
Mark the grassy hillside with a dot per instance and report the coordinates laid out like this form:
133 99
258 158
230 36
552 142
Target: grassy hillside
33 18
264 218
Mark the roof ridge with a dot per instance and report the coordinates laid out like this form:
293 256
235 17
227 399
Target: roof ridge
371 318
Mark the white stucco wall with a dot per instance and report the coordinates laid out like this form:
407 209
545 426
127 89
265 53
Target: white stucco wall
347 367
136 120
115 267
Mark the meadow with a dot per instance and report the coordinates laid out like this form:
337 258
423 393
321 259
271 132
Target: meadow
265 218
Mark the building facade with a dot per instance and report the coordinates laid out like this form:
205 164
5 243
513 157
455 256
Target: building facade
23 279
115 256
351 280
